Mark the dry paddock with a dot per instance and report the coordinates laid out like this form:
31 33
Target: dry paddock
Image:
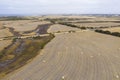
61 28
115 29
5 33
4 43
108 24
74 56
23 25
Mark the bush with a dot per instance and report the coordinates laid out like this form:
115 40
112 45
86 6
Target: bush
67 24
71 31
108 32
83 28
37 37
58 31
91 27
14 39
116 34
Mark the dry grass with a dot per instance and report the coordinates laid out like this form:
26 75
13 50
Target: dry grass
83 55
61 16
5 33
96 24
83 18
115 29
1 25
23 25
4 44
58 28
76 56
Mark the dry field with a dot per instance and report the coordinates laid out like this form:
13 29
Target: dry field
104 19
116 29
60 28
74 56
5 33
23 25
60 16
83 18
4 44
109 24
1 25
82 55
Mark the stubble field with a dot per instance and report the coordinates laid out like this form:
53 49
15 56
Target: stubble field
116 29
74 56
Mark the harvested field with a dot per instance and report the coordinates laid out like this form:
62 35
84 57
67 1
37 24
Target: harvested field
116 29
15 22
69 17
4 44
83 18
5 33
1 26
23 25
75 56
41 29
108 24
58 27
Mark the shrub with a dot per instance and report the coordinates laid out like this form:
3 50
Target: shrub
37 37
108 32
83 28
116 34
14 39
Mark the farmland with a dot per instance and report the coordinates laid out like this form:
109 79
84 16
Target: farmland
116 29
4 44
23 25
79 56
60 28
108 24
74 51
5 33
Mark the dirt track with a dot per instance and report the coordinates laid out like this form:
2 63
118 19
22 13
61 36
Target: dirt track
74 56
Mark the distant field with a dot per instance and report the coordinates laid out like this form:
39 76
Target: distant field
87 21
96 24
60 16
1 26
5 33
58 27
116 29
23 25
80 18
4 44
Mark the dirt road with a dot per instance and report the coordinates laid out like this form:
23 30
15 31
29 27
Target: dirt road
74 56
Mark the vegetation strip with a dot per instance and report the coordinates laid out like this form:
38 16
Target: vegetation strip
108 32
13 18
71 25
96 29
41 29
17 54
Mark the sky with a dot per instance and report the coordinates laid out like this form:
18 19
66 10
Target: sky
59 6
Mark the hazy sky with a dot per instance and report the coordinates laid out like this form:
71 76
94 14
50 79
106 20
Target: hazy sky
59 6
